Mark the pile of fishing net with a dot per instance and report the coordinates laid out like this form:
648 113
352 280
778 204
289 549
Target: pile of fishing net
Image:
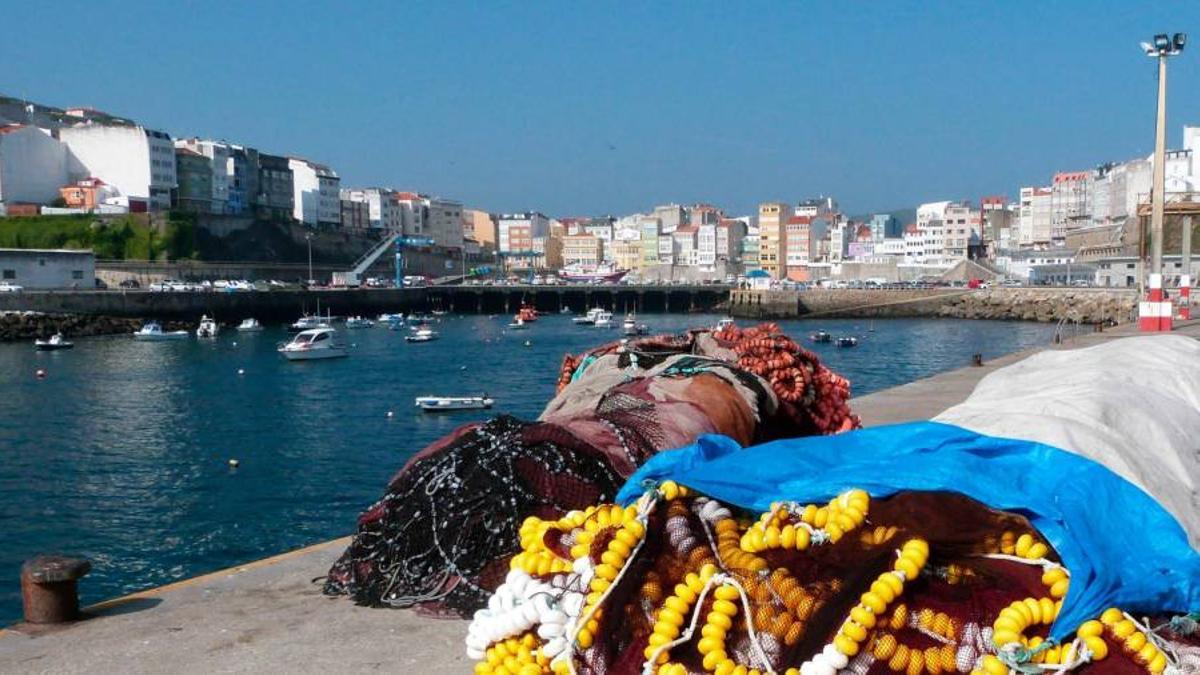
919 582
443 533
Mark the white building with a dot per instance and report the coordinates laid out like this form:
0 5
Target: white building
382 207
317 191
36 268
684 245
33 165
671 216
706 245
1070 203
1034 223
515 232
138 162
962 226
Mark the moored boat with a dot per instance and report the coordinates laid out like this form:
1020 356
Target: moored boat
449 403
604 319
821 336
308 322
359 322
631 327
588 319
312 344
208 327
847 341
250 325
56 342
725 323
518 324
422 334
152 331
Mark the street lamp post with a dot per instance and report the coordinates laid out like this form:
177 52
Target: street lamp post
308 240
1163 47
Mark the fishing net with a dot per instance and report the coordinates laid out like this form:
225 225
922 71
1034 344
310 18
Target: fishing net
444 531
921 582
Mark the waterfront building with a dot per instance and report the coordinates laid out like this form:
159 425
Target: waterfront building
670 216
33 165
316 193
1127 271
841 233
1020 264
235 172
276 198
138 162
962 227
582 249
818 207
750 253
651 230
772 238
194 176
515 231
439 219
706 244
730 233
885 225
705 214
354 214
684 245
384 210
1034 219
86 194
481 226
666 249
627 254
1070 207
42 268
798 235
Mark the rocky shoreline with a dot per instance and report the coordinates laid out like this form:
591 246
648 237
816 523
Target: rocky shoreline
21 326
1010 304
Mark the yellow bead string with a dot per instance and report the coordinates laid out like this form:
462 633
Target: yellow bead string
1135 643
788 526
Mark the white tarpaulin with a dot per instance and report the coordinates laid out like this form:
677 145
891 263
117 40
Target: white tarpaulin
1131 404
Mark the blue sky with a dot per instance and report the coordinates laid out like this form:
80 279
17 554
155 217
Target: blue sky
577 108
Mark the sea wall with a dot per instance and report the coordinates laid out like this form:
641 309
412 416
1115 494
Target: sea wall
1034 304
1016 304
22 326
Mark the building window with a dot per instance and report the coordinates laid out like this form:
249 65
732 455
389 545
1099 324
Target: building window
76 274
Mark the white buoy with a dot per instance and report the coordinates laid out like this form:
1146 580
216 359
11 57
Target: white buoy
241 371
462 367
391 414
235 343
233 463
40 373
529 343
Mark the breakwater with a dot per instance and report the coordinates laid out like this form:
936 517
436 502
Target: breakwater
22 326
1011 304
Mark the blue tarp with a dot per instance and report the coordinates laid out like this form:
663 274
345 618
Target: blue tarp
1122 548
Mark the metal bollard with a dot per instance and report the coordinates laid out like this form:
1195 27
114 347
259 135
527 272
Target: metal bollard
48 588
977 360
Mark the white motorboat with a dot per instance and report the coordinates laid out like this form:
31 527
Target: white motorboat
208 328
588 319
309 322
604 319
312 344
631 327
727 322
423 334
389 318
519 324
250 325
153 332
448 403
847 341
359 322
55 343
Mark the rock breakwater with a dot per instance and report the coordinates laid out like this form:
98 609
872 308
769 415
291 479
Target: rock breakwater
1033 304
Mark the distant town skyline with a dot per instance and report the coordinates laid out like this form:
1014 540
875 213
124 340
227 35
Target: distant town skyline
586 109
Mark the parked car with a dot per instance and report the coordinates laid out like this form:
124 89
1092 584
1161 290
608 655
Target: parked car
100 285
6 287
129 283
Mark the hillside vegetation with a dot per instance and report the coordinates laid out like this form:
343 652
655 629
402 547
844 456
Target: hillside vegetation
122 238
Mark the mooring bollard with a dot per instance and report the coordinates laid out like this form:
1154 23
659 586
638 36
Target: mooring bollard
48 588
977 360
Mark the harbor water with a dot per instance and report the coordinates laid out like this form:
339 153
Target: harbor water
121 453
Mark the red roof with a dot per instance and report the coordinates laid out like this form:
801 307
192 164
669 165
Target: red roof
911 228
686 229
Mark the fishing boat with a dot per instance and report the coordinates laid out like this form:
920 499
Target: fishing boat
604 320
518 324
55 343
448 403
308 322
724 323
527 313
152 331
588 319
631 327
821 336
847 341
590 274
313 344
439 312
208 328
250 325
389 318
422 334
359 322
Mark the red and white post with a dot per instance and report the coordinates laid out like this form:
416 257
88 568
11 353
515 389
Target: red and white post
1155 313
1185 296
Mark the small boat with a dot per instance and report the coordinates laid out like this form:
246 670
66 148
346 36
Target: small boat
55 343
603 320
847 341
312 344
153 332
250 325
208 328
423 334
308 322
565 310
527 313
419 318
439 312
588 319
631 327
821 336
518 324
727 322
359 322
389 318
448 403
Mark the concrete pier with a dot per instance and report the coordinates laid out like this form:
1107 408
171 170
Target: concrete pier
269 616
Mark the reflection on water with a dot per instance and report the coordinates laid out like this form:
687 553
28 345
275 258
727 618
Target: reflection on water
121 454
